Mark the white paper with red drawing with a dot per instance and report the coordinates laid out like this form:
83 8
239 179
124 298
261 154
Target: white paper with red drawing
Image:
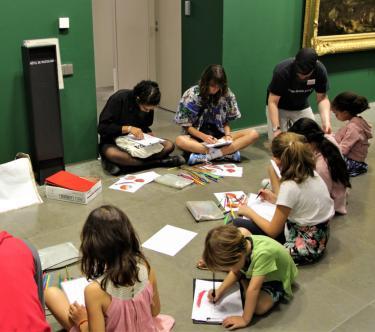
132 182
225 170
207 312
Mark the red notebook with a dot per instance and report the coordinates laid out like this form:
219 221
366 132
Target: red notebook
70 181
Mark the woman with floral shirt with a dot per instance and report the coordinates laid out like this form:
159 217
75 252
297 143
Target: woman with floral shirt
204 113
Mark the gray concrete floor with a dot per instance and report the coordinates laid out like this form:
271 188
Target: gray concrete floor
336 294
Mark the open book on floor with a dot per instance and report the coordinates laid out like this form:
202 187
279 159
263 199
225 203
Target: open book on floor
206 312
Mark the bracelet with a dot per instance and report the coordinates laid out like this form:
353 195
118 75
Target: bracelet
82 322
129 129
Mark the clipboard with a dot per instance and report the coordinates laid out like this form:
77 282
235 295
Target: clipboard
237 286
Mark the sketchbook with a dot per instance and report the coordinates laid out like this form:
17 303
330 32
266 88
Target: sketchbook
146 141
58 256
75 290
263 208
219 143
205 312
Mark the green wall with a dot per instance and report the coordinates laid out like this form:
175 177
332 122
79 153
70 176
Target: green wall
202 39
24 19
258 34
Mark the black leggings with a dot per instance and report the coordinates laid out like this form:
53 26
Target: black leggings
253 228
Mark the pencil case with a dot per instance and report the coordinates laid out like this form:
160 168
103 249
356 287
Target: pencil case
172 180
204 210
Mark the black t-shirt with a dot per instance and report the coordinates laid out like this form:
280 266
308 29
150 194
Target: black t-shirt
294 93
120 110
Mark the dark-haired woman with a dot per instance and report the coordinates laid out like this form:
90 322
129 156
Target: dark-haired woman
204 112
353 138
132 112
329 162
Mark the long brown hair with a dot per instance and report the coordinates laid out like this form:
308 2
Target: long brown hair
224 247
297 158
110 248
213 74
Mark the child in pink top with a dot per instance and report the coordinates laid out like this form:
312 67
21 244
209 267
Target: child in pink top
329 163
123 295
353 138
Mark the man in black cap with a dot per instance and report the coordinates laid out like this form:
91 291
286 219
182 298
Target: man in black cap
293 81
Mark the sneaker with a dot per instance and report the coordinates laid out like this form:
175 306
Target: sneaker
111 168
196 158
236 157
172 161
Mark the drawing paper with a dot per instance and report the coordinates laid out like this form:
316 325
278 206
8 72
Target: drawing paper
231 200
74 290
263 208
132 182
205 311
219 143
146 141
169 240
225 170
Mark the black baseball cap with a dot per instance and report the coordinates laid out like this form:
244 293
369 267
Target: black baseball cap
305 60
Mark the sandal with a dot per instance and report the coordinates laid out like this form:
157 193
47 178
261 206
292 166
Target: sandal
201 265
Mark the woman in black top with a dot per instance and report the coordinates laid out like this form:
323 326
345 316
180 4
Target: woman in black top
131 112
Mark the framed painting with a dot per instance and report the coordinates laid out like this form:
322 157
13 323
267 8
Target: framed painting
334 26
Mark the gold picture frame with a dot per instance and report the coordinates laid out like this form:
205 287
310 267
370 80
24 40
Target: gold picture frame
336 43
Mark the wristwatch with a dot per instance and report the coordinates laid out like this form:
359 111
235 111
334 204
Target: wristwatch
274 129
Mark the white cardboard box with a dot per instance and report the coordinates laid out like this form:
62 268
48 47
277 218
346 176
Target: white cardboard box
73 196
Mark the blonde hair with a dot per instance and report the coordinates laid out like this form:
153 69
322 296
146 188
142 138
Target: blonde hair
297 158
224 247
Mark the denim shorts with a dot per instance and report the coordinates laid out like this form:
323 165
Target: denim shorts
275 289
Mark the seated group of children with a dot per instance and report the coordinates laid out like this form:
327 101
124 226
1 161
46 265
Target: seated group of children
308 186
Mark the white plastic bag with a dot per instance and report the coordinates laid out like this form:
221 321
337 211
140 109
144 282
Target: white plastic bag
204 210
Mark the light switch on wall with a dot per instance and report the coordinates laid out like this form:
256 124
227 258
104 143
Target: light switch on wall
64 22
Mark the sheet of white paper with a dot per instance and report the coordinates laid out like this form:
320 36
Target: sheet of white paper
219 143
234 201
169 240
276 168
132 182
17 185
263 208
225 170
229 305
74 290
147 139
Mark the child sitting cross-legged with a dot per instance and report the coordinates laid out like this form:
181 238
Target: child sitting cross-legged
123 295
262 263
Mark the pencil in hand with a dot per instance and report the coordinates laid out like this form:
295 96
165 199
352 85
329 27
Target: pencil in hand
260 191
213 289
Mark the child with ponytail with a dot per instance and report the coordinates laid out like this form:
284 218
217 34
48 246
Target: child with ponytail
353 138
330 164
303 204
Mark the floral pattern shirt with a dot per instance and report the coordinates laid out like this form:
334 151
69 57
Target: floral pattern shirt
192 112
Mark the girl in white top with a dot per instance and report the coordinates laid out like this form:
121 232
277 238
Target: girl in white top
303 203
